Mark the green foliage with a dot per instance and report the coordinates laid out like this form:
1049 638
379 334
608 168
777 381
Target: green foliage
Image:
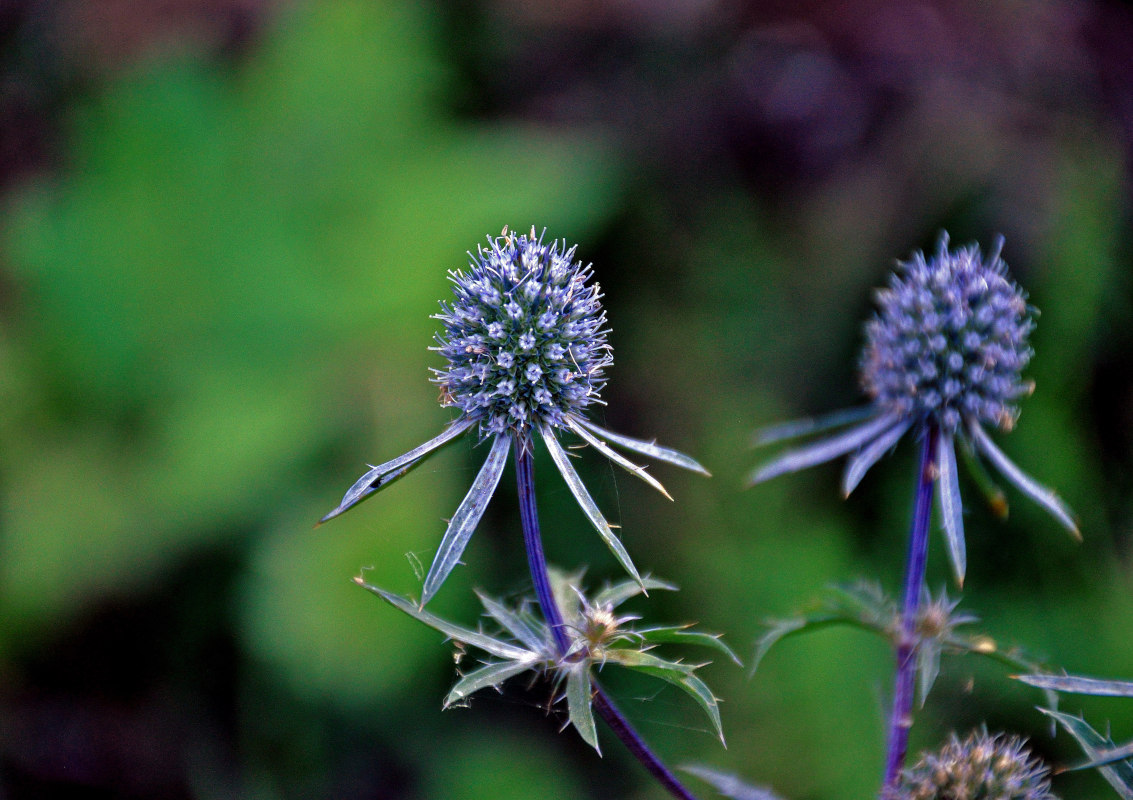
864 606
231 251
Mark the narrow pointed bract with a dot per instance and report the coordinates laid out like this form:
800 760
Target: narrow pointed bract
618 459
382 475
825 449
651 449
589 507
951 509
869 454
466 518
1045 497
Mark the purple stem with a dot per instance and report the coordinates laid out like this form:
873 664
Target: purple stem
529 516
901 718
635 744
533 543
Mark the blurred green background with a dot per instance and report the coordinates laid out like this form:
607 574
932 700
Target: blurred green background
224 227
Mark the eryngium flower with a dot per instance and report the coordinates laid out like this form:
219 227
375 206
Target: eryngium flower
526 347
982 766
943 358
525 338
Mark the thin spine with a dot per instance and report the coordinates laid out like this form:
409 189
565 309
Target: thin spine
900 719
537 563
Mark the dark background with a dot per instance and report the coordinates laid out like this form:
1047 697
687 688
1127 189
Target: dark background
224 226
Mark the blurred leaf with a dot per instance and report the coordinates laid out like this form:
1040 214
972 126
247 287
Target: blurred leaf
1079 685
729 785
1097 747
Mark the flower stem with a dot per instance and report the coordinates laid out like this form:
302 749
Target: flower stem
635 744
537 563
533 543
901 718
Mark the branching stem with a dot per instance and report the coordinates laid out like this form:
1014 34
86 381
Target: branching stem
529 516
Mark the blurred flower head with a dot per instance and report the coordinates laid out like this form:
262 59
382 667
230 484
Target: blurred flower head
949 342
981 766
943 357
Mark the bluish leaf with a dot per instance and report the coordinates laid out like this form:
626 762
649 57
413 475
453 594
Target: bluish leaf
614 596
384 474
483 677
617 458
651 449
1045 497
466 518
488 644
804 427
824 449
729 785
1077 684
1119 774
951 507
865 458
533 638
578 704
589 507
928 668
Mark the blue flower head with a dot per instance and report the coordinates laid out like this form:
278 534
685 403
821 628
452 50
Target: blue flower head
525 342
944 357
949 342
525 338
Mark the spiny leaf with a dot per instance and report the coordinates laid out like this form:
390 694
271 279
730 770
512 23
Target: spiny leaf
384 474
1096 746
578 704
487 675
614 596
1078 684
466 518
589 507
729 785
488 644
651 449
680 634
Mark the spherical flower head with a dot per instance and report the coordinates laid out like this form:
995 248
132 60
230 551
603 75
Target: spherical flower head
525 338
949 342
981 766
